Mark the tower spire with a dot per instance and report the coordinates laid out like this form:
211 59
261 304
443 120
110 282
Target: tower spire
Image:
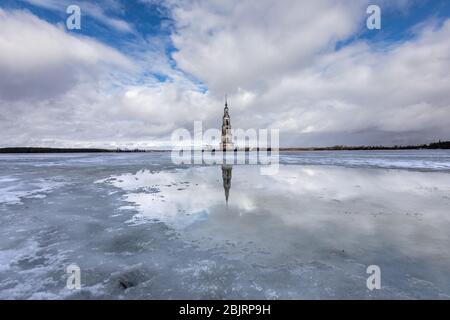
227 139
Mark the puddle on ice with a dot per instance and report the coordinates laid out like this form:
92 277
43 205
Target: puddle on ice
302 213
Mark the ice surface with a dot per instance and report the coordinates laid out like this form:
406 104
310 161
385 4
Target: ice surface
140 227
424 160
12 190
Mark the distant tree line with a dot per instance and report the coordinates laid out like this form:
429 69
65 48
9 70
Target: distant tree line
439 145
51 150
64 150
434 145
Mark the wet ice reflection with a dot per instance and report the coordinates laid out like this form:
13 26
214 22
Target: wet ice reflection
226 177
302 211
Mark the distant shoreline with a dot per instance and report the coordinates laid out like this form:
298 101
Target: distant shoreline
431 146
13 150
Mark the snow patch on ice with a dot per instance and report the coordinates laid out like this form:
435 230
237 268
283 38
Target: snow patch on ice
14 190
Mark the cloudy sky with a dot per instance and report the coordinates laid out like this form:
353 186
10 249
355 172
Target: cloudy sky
138 70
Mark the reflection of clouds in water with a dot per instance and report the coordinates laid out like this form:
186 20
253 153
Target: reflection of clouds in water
307 213
178 197
345 204
161 195
336 202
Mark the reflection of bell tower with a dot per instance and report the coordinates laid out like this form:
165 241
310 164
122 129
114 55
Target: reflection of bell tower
226 142
226 177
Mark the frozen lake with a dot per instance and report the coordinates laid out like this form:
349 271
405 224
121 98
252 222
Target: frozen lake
139 226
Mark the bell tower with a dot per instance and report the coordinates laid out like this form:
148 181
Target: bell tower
226 143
